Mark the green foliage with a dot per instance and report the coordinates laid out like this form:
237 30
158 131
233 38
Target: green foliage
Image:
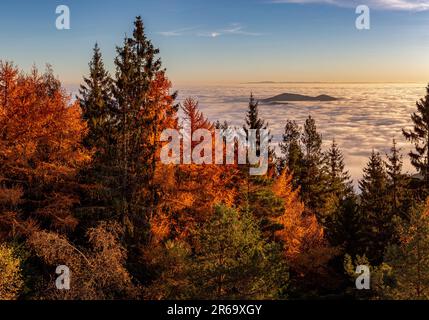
398 195
375 213
419 136
234 262
96 101
314 176
410 258
381 279
292 155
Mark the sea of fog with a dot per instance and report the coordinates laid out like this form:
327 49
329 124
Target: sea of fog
367 116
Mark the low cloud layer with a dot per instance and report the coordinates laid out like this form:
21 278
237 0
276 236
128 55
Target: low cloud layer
367 117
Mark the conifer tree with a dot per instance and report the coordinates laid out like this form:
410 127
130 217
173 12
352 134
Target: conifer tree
339 180
255 122
40 153
342 224
96 102
374 209
143 108
409 259
290 147
313 179
397 180
344 227
259 198
194 118
234 262
97 179
419 136
303 238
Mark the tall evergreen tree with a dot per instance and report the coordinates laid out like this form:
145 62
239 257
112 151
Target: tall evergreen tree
313 181
397 180
339 180
233 261
97 179
96 100
140 114
419 135
126 117
258 196
374 209
290 147
409 259
340 208
255 122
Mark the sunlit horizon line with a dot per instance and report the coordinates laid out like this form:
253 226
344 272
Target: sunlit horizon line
219 83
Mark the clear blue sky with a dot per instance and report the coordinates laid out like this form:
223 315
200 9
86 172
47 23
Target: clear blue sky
217 41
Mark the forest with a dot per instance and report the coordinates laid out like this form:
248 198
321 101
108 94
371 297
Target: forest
82 185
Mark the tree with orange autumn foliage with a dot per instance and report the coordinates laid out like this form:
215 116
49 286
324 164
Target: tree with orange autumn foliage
305 246
40 152
191 190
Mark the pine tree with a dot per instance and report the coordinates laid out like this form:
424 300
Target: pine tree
419 135
374 209
255 122
290 147
344 227
234 262
409 259
98 179
144 107
313 174
339 180
96 101
397 181
342 223
338 183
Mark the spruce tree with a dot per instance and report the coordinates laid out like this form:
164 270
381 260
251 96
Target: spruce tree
258 196
233 261
139 116
375 209
96 100
255 122
340 207
419 136
339 180
290 147
126 117
397 180
97 179
409 260
313 181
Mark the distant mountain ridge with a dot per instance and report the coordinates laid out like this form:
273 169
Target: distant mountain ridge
288 97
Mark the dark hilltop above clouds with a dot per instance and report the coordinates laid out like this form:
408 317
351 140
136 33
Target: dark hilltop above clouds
291 97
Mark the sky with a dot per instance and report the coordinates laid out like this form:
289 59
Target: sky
229 41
